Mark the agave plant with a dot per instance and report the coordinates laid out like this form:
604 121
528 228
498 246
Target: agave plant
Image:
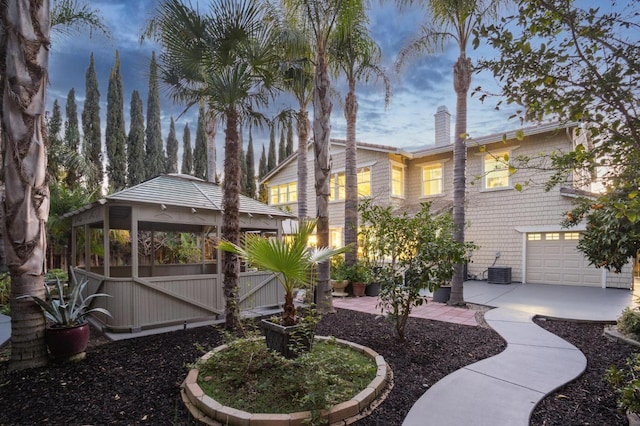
291 261
67 311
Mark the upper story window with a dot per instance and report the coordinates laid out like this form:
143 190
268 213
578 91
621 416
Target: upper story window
432 179
397 181
283 193
338 184
496 170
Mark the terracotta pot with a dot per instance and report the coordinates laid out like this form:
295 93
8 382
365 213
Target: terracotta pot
358 289
66 342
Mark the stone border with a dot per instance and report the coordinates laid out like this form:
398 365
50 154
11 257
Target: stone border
613 333
208 411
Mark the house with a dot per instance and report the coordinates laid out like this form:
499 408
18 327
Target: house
510 216
154 249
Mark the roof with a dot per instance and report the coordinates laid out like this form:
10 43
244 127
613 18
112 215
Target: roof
498 137
183 191
359 145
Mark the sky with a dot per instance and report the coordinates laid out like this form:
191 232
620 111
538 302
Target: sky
418 90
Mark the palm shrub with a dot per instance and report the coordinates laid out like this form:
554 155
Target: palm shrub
411 255
290 260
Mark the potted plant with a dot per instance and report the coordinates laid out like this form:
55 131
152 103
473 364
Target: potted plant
359 275
67 331
293 263
339 274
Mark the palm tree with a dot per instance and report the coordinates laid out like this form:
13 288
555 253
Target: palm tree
24 46
356 55
290 260
454 20
298 80
227 58
319 18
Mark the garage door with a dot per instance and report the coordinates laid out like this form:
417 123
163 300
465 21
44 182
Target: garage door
552 258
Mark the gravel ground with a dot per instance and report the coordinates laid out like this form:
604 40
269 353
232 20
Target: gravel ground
137 381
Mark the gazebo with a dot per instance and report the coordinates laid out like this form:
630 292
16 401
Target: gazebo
152 247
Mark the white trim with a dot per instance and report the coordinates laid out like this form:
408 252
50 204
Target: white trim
550 228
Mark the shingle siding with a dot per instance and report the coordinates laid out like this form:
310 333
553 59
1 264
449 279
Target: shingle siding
492 216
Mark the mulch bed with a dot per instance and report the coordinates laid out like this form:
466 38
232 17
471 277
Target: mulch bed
137 381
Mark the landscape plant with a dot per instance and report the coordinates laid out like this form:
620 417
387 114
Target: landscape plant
413 255
290 259
626 383
629 323
248 377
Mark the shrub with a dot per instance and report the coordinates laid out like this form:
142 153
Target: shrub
626 384
629 323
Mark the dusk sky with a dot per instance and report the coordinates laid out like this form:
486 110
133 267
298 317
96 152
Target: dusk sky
423 85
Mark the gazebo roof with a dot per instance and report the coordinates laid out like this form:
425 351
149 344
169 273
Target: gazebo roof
183 191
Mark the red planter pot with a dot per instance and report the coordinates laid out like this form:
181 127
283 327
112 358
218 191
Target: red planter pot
358 289
66 342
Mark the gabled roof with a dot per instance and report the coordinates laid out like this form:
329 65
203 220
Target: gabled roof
359 145
498 137
183 191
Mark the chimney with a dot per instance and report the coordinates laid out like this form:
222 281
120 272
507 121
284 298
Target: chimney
443 126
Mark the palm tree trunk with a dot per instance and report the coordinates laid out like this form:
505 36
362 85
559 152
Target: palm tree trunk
322 144
303 143
231 220
26 206
461 83
351 177
210 124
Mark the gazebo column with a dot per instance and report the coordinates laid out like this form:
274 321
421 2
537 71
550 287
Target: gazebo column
74 236
87 248
105 242
134 242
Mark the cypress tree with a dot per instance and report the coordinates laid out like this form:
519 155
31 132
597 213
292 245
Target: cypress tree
187 152
172 149
272 161
115 135
289 149
200 151
154 156
135 142
282 148
55 158
251 169
263 167
92 143
72 137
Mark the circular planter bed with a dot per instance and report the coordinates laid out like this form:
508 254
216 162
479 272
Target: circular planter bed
209 411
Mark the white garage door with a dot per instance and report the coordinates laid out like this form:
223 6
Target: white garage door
552 258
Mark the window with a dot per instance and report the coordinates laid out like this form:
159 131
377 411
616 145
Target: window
572 236
534 237
364 182
432 179
397 181
496 170
283 193
552 236
335 237
338 184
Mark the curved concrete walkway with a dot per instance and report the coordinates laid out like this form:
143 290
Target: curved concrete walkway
503 389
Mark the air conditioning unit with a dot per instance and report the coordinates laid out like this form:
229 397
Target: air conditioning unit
499 275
